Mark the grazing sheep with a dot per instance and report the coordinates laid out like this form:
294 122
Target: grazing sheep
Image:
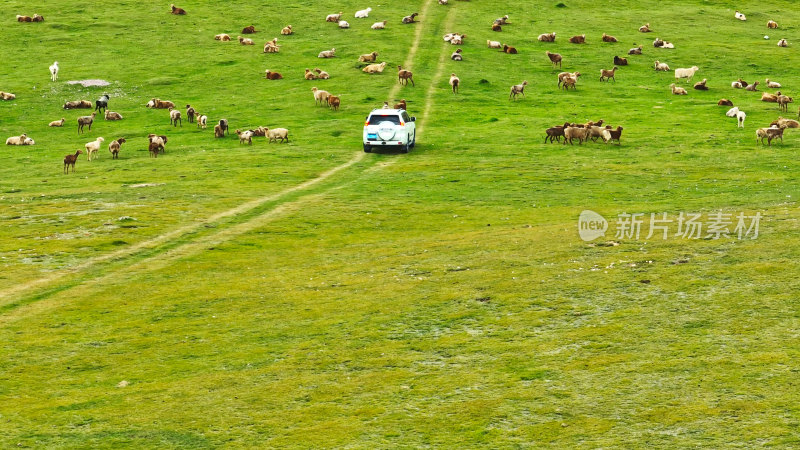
249 30
635 51
7 96
177 11
575 132
379 25
783 43
202 121
334 17
783 102
278 133
190 113
287 30
218 131
645 28
334 102
772 24
732 112
54 71
578 39
374 68
739 16
401 105
17 140
157 144
753 87
157 103
454 82
93 147
111 115
701 85
456 56
223 125
410 19
245 41
494 44
724 102
70 160
362 14
175 117
153 149
327 53
564 75
773 84
309 75
404 76
321 74
676 90
344 24
86 120
114 147
272 46
57 123
78 104
222 37
555 58
320 96
245 136
510 50
570 82
686 73
369 57
610 134
740 116
785 123
269 75
547 37
101 104
517 89
618 61
605 75
607 38
770 98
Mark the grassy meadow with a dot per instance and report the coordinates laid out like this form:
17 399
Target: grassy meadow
309 295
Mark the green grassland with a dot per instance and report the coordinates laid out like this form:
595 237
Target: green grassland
309 295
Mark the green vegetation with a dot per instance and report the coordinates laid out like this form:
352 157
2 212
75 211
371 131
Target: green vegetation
310 295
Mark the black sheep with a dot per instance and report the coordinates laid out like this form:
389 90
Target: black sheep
101 103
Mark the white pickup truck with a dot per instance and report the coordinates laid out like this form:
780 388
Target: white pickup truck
389 127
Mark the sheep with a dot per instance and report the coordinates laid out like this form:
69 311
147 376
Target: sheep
223 124
724 102
157 103
175 117
374 68
496 27
101 103
595 131
334 17
177 11
456 56
607 38
153 149
218 131
334 102
70 160
510 50
320 96
610 134
701 85
645 28
404 76
57 123
379 25
773 84
157 143
249 30
454 82
658 43
743 83
344 24
635 51
270 75
578 39
770 98
260 132
362 14
202 121
772 24
369 57
309 75
37 18
222 37
442 2
24 18
401 105
54 71
28 141
245 41
786 123
494 44
618 61
114 147
93 147
111 115
570 81
16 140
245 136
190 113
327 53
457 39
547 37
86 120
783 102
502 20
410 19
555 133
676 90
272 46
321 74
78 104
287 30
564 75
385 105
517 89
555 58
575 132
770 134
278 133
740 116
608 74
736 84
7 96
739 16
783 43
753 87
685 73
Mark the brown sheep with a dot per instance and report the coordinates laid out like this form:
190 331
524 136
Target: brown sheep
269 75
620 61
701 85
404 76
555 58
249 30
605 75
369 57
607 38
401 105
510 50
177 11
496 27
581 39
70 160
334 102
114 147
724 102
218 131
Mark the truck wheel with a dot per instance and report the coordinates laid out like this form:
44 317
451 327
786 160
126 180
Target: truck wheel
367 148
414 140
404 148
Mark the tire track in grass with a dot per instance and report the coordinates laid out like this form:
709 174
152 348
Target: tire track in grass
161 246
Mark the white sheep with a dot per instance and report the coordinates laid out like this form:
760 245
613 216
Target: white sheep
783 43
93 147
278 133
363 14
17 140
54 71
28 141
202 121
736 84
320 96
773 84
57 123
111 115
686 73
676 90
222 37
343 24
740 115
245 136
739 16
7 96
732 112
327 53
661 66
494 44
379 25
374 68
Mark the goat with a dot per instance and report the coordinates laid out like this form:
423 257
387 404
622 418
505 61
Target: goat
454 82
502 20
78 104
739 16
321 74
645 28
783 102
783 43
369 57
86 120
496 27
245 41
404 76
773 84
379 25
344 24
555 58
54 71
70 160
564 75
334 17
770 98
753 87
575 132
494 44
769 133
24 18
218 132
223 124
222 37
362 14
555 133
374 68
659 66
772 24
517 89
686 73
272 46
278 133
114 147
787 123
287 30
7 96
724 102
177 11
608 74
401 105
327 53
17 140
